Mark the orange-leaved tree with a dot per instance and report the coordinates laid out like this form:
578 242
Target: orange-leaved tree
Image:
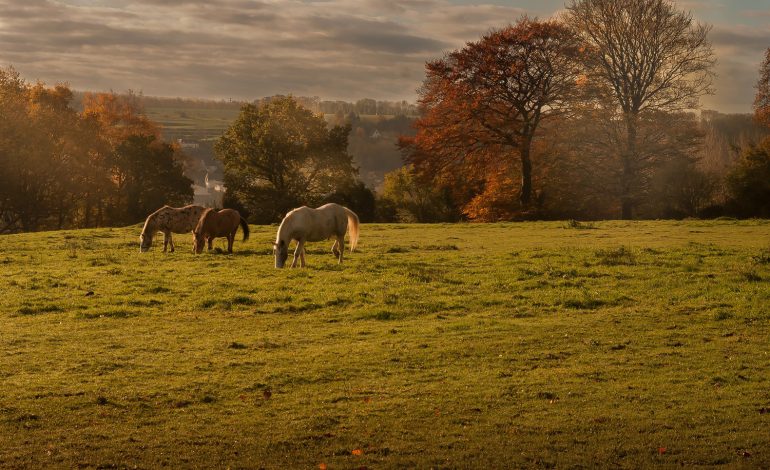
144 171
487 100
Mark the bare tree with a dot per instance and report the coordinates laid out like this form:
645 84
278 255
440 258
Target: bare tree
649 57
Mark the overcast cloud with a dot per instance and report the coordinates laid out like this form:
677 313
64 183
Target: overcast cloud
335 49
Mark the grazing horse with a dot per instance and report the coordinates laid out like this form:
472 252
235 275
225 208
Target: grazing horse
313 225
213 224
169 219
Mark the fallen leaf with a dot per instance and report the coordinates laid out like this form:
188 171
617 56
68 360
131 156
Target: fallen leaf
267 394
357 452
322 466
662 450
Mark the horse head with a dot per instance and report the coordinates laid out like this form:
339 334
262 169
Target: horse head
145 241
199 241
281 251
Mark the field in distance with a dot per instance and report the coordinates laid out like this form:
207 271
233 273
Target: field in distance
547 344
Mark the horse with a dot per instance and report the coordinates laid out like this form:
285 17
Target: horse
213 224
167 220
305 224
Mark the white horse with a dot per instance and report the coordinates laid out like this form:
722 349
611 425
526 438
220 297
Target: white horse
313 225
169 219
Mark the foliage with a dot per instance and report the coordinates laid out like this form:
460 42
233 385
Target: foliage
582 168
521 345
749 182
279 156
407 198
357 197
63 168
643 57
147 177
762 100
681 189
485 102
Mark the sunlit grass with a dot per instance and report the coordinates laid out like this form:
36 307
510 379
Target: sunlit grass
485 346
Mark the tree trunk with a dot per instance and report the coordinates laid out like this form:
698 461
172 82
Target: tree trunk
627 179
87 212
526 173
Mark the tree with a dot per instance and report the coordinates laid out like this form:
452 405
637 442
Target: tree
489 99
120 116
357 197
60 168
279 156
648 57
749 182
681 189
405 198
147 177
40 155
762 100
144 173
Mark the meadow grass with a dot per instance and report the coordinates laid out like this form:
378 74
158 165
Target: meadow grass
624 344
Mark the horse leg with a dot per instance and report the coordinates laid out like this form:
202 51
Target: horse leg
297 252
166 236
335 250
171 241
302 257
341 241
230 240
211 243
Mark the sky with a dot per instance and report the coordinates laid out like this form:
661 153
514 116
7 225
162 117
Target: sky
334 49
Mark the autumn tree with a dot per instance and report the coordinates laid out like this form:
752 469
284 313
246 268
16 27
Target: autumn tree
119 115
39 154
61 168
762 100
648 57
279 155
144 172
489 99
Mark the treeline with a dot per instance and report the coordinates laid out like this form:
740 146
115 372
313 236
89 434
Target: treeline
365 106
63 168
586 117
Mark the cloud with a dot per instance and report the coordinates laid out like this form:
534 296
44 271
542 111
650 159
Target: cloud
245 49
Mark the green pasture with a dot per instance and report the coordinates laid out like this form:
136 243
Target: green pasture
215 120
567 345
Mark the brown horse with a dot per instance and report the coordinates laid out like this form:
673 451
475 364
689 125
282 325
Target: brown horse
213 224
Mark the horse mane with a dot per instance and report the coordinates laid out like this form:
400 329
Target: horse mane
202 220
284 227
149 222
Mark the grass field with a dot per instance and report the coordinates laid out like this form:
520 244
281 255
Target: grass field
628 344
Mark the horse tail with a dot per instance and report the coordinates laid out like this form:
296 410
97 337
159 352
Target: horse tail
353 227
245 227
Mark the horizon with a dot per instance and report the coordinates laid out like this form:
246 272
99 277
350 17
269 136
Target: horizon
342 50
